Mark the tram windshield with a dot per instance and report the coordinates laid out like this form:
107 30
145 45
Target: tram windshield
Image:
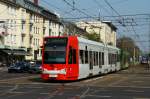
55 50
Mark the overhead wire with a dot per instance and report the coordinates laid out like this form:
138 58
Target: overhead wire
64 12
121 20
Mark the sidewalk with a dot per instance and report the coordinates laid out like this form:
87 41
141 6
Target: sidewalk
3 69
137 69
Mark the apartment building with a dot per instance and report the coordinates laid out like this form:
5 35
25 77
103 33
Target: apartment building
105 30
23 25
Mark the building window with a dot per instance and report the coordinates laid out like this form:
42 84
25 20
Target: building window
50 30
31 26
23 39
38 30
44 30
23 24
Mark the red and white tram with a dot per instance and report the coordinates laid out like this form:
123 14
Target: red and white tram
73 58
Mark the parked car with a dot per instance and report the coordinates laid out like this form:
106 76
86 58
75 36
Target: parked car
19 67
144 60
35 67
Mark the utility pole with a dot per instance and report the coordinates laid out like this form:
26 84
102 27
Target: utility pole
99 16
149 37
134 56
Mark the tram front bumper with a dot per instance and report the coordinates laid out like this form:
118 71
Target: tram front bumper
54 72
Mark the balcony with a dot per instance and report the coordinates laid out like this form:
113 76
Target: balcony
31 35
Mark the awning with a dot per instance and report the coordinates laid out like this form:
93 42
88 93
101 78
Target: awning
15 52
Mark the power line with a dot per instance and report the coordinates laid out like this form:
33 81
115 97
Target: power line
100 6
80 11
64 12
112 8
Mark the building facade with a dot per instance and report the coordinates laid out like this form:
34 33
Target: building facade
105 30
23 25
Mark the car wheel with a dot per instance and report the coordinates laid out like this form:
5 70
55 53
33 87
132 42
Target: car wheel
9 71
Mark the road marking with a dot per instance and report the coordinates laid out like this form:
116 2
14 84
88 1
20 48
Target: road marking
16 92
84 93
92 79
100 96
134 91
118 81
18 78
10 90
35 87
137 81
44 93
146 87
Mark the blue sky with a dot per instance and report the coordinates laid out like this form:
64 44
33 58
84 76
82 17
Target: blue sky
93 7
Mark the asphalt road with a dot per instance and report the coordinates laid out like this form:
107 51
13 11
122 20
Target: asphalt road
133 83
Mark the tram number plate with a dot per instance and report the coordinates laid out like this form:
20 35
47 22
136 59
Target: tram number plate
53 75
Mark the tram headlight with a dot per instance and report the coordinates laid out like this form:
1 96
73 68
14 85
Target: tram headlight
63 71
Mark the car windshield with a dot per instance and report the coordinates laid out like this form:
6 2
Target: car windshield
38 64
55 51
19 64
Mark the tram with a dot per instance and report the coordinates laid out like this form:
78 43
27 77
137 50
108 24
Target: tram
73 58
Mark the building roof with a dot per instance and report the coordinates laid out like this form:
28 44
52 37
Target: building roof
109 23
33 8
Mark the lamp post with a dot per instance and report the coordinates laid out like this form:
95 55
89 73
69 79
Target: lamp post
12 54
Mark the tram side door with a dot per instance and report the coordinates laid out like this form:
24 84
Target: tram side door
91 59
72 61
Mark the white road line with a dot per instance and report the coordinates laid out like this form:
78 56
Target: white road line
138 81
35 87
134 91
10 90
14 88
92 79
44 93
146 87
16 92
84 93
100 96
17 78
141 98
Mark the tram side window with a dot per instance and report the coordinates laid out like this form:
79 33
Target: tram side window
115 58
86 57
102 58
72 56
110 58
118 57
82 56
96 58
